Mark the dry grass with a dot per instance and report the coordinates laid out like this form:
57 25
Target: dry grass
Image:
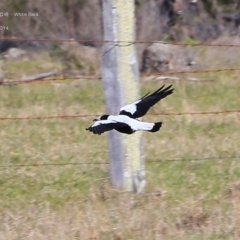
183 199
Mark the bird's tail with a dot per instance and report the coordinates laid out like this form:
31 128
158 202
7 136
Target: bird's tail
156 127
151 127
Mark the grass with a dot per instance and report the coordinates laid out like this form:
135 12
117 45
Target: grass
183 199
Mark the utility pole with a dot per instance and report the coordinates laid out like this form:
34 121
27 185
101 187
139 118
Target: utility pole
120 76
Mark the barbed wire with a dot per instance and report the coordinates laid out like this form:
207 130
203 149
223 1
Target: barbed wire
197 113
191 72
14 82
120 44
94 77
49 117
106 163
51 164
115 42
194 159
94 115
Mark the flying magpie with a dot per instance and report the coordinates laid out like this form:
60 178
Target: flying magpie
127 122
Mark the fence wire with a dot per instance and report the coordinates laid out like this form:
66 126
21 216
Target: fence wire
101 41
165 74
94 115
217 158
156 75
94 77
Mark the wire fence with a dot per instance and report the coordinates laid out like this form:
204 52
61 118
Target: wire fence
116 42
156 75
94 115
165 74
217 158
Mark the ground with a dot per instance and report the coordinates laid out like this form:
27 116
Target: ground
183 199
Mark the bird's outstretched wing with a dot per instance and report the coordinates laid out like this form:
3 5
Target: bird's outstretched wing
140 107
102 126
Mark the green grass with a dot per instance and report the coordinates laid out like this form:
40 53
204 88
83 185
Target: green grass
33 63
183 199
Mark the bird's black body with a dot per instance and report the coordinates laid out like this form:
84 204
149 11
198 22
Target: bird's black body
126 121
125 129
123 112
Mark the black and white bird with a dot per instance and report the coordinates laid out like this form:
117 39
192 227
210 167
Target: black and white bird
127 122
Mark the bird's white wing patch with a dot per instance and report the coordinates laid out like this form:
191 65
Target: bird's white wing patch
100 122
131 108
119 118
132 123
140 107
